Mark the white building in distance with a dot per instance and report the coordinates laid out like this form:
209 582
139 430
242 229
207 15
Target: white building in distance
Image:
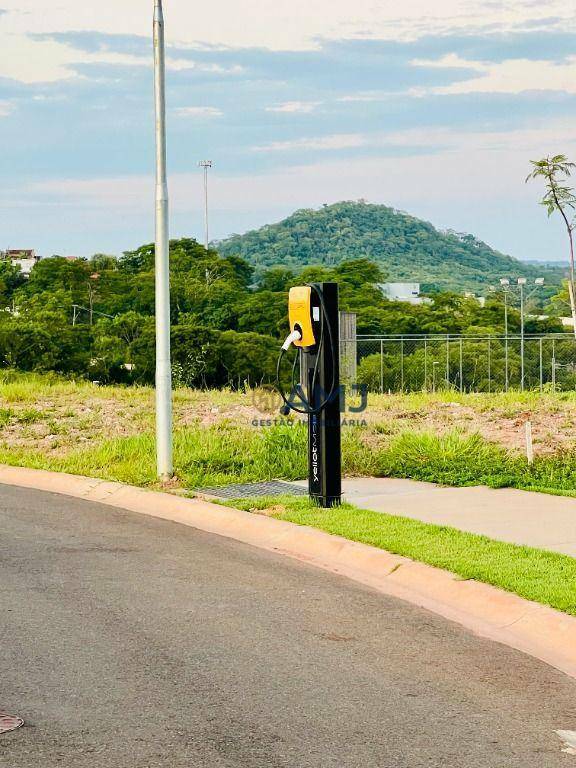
406 292
25 259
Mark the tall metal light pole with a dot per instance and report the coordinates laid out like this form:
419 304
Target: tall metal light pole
163 361
206 164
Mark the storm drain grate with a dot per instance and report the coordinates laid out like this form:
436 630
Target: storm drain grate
9 722
253 490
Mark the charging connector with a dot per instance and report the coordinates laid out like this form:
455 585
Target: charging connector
294 337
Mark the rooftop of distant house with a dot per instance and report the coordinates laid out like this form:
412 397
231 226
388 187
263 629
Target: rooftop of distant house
21 253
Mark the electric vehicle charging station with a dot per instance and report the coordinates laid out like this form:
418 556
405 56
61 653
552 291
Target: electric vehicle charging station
315 332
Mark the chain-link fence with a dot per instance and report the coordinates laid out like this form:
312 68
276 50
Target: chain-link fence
461 363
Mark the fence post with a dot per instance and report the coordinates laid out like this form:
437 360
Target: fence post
554 365
489 365
402 364
381 366
461 366
349 347
447 361
426 365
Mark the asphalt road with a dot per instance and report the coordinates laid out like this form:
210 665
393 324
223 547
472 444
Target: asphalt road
130 642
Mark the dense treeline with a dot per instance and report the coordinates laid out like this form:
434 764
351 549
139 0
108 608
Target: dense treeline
406 247
95 317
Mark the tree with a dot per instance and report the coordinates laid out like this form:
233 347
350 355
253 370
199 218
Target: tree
405 247
11 278
359 272
227 325
559 198
123 349
276 279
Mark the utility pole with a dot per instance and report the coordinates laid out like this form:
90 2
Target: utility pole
163 360
91 294
206 165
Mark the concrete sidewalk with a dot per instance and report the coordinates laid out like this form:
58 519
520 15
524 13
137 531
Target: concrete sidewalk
520 517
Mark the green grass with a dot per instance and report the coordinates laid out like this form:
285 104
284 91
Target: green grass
228 453
6 416
203 456
450 459
544 577
30 416
18 387
463 460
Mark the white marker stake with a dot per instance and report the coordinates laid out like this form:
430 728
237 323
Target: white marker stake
529 443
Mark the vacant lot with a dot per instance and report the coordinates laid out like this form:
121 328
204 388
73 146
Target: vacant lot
57 415
109 432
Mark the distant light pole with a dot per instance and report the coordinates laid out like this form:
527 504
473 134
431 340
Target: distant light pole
91 294
522 282
206 165
163 360
505 283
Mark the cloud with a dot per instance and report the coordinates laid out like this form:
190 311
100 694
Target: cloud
49 59
366 96
509 76
291 107
475 164
30 60
476 185
415 142
198 112
290 25
321 143
401 109
6 108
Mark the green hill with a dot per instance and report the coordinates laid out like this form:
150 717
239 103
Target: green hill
406 247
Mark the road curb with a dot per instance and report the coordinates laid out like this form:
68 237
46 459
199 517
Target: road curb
537 630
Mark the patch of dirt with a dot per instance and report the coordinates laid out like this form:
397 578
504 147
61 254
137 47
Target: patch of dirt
277 509
68 422
553 428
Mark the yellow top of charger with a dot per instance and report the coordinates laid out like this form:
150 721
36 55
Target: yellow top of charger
300 304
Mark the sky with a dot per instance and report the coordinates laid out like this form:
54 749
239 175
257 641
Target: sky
432 108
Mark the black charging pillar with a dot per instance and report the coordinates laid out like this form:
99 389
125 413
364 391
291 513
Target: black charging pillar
322 365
